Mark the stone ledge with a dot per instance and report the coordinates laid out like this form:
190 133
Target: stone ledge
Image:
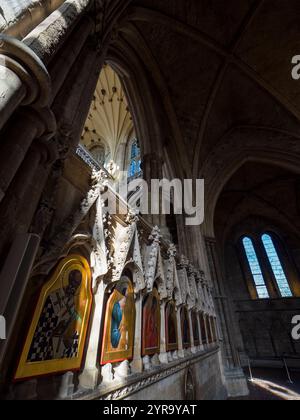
134 383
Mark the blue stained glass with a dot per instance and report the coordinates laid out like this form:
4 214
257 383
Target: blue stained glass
135 161
132 168
276 265
255 268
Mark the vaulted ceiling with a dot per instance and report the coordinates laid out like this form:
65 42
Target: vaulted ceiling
109 121
223 64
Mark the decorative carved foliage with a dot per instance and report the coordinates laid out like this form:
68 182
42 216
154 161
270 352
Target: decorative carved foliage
170 270
151 258
123 240
98 256
135 264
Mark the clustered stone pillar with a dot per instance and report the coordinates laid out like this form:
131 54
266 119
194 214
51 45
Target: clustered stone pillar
193 350
201 339
24 80
235 379
181 352
137 362
37 81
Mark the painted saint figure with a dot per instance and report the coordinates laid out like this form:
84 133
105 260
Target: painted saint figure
56 337
57 332
151 324
171 327
119 336
119 324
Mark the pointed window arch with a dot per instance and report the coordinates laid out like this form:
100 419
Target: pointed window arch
276 265
255 268
135 163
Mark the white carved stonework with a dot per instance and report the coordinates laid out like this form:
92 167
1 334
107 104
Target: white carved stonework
177 289
160 277
107 374
151 258
192 286
136 265
170 269
122 371
184 286
122 242
155 361
99 254
147 363
98 179
170 357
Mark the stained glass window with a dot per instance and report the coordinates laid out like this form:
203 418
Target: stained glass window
255 268
135 160
276 265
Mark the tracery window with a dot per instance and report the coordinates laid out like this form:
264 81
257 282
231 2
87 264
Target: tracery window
276 265
135 169
98 153
255 268
266 265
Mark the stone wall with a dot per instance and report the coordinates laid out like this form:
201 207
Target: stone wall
207 377
266 328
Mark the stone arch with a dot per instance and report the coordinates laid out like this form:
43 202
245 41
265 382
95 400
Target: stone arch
156 110
241 145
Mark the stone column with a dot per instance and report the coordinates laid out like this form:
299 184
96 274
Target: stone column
163 356
25 126
181 352
18 86
206 332
72 103
235 378
201 346
21 200
193 348
137 362
90 377
68 55
211 330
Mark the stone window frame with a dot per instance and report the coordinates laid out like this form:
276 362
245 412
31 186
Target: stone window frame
265 265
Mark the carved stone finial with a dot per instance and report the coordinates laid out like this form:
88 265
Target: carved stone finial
155 235
172 251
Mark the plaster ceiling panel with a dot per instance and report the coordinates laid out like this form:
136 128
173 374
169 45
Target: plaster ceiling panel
189 70
220 20
270 43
